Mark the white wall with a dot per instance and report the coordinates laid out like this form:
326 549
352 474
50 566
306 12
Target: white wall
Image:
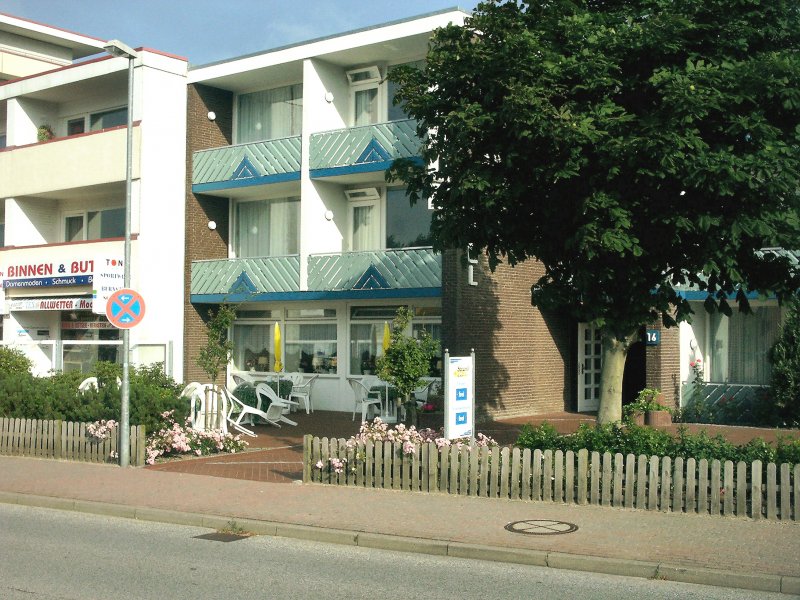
31 221
159 198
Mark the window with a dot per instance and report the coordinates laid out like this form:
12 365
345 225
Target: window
429 319
253 346
367 324
88 338
269 114
2 234
267 227
365 95
365 222
76 126
311 345
108 118
2 140
95 225
396 112
406 226
739 345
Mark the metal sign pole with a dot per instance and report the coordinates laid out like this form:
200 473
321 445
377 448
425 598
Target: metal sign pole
445 391
472 357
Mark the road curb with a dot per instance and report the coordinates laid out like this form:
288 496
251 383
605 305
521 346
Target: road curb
555 560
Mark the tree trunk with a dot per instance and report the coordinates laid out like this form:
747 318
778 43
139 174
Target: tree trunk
615 352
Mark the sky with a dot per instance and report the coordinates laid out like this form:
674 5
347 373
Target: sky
206 31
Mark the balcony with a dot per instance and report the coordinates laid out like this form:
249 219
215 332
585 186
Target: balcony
246 165
412 272
65 163
386 273
362 149
240 279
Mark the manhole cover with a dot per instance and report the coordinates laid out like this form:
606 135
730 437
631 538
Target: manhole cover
221 537
541 527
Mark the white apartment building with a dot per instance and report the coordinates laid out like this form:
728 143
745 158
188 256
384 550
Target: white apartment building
63 116
290 215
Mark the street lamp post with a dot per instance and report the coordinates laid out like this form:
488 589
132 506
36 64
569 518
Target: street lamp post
118 49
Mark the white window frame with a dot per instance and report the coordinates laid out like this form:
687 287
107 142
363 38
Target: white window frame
373 81
375 198
85 225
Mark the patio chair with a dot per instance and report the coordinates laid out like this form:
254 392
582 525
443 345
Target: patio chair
239 411
88 384
366 398
265 393
301 389
206 397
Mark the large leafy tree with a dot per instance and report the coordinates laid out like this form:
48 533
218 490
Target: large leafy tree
631 146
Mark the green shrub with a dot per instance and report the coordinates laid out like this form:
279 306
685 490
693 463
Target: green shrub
785 357
631 439
12 360
57 397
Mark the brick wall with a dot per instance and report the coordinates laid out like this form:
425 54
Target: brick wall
523 356
663 364
201 242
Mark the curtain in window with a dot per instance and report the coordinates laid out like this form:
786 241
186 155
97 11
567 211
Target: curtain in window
267 227
365 230
311 348
741 343
252 347
270 114
366 109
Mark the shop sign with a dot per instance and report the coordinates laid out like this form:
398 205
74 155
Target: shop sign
40 282
86 325
48 273
109 277
459 396
49 304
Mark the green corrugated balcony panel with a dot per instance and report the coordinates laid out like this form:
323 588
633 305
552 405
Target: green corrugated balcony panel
362 149
403 272
243 279
245 165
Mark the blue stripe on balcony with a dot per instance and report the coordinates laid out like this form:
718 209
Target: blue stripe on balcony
199 188
432 292
351 169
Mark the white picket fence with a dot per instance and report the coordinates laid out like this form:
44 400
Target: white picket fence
65 440
639 482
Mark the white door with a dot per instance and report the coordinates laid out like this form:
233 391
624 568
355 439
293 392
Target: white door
589 359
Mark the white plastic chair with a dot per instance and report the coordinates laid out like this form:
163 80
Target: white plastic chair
301 389
204 397
91 383
239 411
265 393
365 397
88 384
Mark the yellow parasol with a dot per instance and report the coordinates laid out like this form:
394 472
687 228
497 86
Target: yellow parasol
387 336
277 349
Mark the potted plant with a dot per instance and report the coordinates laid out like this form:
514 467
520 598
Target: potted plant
44 133
648 409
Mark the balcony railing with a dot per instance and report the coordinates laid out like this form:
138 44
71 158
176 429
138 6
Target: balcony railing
256 163
65 163
375 270
362 149
412 271
240 278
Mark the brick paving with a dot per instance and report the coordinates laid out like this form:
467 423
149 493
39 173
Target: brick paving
275 455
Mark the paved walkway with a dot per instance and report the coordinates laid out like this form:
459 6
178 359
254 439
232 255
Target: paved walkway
760 555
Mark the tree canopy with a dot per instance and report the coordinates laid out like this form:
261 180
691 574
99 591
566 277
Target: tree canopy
633 147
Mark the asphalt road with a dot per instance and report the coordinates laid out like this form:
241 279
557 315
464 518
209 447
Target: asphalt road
49 554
